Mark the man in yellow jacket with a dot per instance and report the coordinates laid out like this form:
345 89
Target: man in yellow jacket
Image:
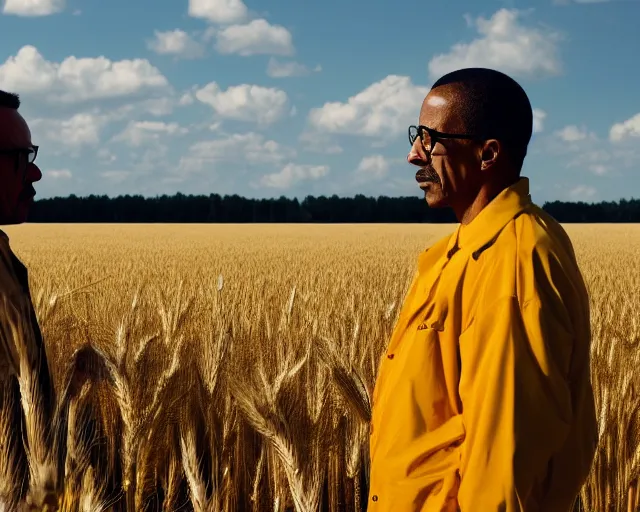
483 401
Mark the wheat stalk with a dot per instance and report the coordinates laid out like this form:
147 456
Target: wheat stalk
302 342
10 489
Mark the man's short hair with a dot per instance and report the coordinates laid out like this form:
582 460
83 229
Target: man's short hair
9 100
493 106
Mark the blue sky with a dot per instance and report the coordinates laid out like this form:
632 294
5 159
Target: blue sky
288 98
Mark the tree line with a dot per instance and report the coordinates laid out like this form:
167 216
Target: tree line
214 208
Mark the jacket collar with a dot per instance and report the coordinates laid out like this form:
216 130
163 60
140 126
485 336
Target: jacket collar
482 231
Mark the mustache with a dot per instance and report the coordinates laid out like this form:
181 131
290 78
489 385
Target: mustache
428 174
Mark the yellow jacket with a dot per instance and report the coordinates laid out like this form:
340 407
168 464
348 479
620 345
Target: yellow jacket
483 400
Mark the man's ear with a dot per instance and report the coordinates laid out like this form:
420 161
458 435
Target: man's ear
490 152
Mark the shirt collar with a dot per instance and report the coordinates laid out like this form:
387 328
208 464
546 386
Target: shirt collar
482 231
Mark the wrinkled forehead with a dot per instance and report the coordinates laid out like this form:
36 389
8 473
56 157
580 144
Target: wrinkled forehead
441 110
14 132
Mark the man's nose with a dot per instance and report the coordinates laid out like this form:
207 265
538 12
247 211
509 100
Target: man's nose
33 173
418 155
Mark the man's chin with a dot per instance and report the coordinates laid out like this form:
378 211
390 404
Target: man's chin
13 220
436 203
433 196
21 213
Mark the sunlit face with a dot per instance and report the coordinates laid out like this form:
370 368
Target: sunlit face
450 172
17 175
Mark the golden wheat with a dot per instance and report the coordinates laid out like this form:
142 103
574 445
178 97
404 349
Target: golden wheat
223 368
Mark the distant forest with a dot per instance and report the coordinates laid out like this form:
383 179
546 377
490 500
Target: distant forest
235 209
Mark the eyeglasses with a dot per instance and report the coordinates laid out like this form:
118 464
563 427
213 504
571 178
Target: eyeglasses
29 154
430 137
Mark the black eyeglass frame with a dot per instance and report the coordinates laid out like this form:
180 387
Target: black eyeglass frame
435 135
33 150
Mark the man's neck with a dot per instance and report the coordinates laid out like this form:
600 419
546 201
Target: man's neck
469 210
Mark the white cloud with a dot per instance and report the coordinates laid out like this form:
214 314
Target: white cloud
151 159
83 129
374 166
255 38
385 108
586 156
277 69
573 133
105 156
538 120
59 174
138 133
582 193
599 169
70 134
587 152
292 174
246 147
218 11
245 102
33 7
504 44
176 42
625 130
186 99
78 79
583 150
115 177
158 106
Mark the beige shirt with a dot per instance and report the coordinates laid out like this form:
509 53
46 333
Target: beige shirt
19 331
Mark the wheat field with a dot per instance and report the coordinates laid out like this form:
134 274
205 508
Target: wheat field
229 367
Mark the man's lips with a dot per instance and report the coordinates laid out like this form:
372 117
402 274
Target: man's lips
28 195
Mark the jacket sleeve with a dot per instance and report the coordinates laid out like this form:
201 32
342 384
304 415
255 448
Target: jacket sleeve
9 357
516 402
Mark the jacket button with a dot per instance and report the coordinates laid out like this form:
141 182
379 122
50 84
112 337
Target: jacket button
390 356
375 498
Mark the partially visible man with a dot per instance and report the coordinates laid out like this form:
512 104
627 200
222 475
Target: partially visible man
483 400
18 172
